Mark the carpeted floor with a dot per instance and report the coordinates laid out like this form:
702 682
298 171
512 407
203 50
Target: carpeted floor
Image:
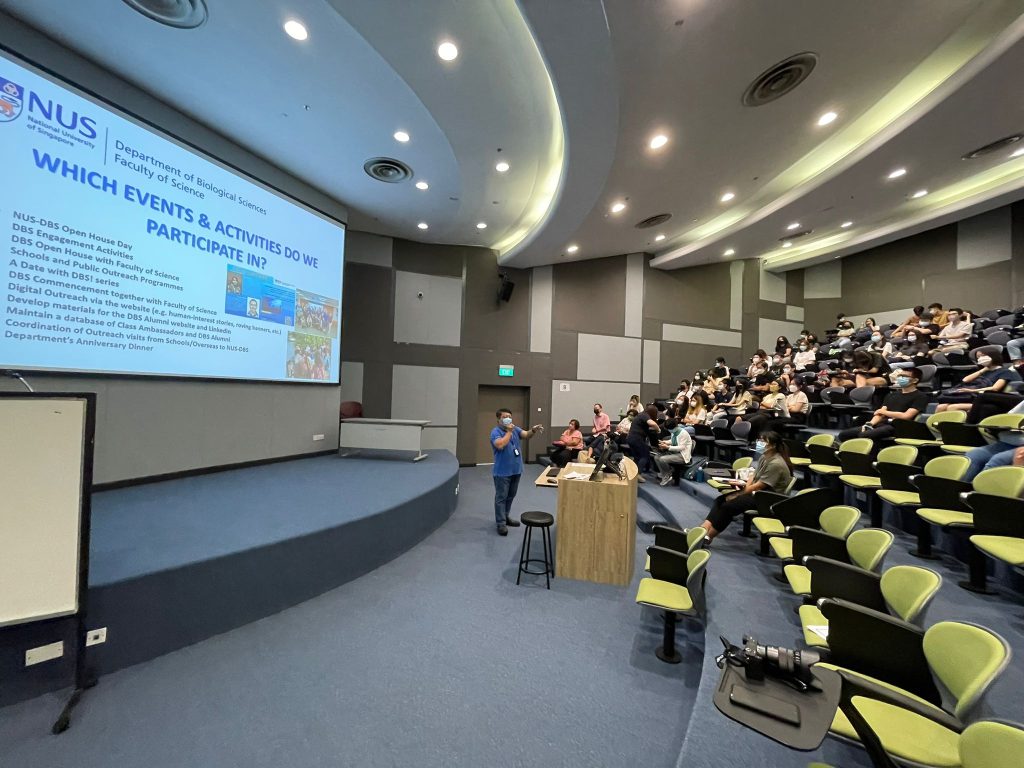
435 659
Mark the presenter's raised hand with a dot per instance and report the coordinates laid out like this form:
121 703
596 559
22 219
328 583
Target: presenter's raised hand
537 428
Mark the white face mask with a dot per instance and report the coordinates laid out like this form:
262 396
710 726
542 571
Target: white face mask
911 337
876 338
984 360
794 388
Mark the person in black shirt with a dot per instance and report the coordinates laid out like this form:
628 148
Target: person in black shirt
869 369
906 403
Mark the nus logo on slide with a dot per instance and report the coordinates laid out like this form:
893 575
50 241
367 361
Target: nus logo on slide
11 99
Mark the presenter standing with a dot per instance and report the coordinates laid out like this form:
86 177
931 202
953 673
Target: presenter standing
508 466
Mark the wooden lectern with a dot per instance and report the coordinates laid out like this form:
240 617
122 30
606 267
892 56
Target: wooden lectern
596 529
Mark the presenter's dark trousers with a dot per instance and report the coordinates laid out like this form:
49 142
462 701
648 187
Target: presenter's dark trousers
641 450
726 507
505 487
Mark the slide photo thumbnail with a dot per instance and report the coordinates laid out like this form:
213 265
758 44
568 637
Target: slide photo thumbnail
316 314
309 357
254 295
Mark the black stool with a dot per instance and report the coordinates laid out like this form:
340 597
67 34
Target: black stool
544 521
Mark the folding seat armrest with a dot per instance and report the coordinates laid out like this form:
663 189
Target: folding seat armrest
810 541
668 565
996 515
835 579
805 508
940 492
880 646
764 500
670 537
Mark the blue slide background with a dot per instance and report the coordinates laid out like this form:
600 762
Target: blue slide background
126 252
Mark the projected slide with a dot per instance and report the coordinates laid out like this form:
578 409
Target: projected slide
126 252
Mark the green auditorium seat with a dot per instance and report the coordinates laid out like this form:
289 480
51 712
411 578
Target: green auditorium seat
902 455
865 549
825 461
946 467
997 532
834 522
960 438
675 586
898 674
903 590
920 434
802 509
799 455
676 539
741 463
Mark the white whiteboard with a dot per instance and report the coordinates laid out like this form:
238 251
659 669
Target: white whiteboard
42 452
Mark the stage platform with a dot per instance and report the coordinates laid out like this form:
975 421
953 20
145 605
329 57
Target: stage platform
176 562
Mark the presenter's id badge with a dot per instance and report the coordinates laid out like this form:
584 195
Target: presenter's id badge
515 451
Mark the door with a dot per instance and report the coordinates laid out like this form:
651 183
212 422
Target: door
489 399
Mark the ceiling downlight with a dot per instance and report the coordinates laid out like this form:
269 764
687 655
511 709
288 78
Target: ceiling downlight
183 14
778 80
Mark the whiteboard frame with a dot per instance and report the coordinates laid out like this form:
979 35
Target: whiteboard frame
85 510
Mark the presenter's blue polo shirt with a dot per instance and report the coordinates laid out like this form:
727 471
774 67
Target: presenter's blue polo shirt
509 460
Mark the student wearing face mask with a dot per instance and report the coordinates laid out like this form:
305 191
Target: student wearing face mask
879 345
772 406
804 357
953 337
508 466
757 364
918 342
772 472
990 377
696 412
905 402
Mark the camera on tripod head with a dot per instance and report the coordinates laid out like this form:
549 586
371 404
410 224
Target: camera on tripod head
792 667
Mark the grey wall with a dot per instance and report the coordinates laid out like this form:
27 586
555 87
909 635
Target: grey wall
150 427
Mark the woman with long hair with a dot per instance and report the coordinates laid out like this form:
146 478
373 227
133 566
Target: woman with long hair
568 445
772 472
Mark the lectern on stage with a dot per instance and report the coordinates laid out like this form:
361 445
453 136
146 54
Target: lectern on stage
596 530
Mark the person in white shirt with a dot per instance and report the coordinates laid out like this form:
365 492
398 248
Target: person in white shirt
678 450
804 357
954 335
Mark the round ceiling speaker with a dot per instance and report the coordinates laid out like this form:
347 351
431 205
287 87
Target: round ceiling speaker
653 221
995 146
795 235
778 80
387 169
183 14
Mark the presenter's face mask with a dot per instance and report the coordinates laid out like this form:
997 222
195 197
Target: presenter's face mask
507 421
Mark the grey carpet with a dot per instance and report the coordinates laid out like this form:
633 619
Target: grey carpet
435 659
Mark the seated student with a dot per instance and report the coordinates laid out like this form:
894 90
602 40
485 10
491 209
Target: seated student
741 400
634 403
866 330
772 472
918 340
772 406
805 356
991 403
683 393
954 336
602 424
641 431
939 315
870 369
905 402
784 349
720 395
990 377
1005 451
719 370
568 445
797 404
677 451
879 345
910 322
696 412
758 364
787 375
759 384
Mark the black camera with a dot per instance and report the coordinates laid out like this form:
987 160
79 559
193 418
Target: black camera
790 666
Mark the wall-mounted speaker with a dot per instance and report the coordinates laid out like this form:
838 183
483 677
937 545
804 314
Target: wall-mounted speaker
505 289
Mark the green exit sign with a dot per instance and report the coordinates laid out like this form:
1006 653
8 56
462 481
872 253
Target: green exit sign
506 370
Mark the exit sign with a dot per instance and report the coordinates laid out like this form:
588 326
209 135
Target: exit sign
506 370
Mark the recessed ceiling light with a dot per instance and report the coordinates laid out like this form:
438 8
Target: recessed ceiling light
659 141
919 193
846 224
422 185
728 252
787 244
897 173
794 225
659 238
401 136
827 118
481 225
618 207
448 51
422 225
727 197
572 248
1018 153
501 167
295 29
